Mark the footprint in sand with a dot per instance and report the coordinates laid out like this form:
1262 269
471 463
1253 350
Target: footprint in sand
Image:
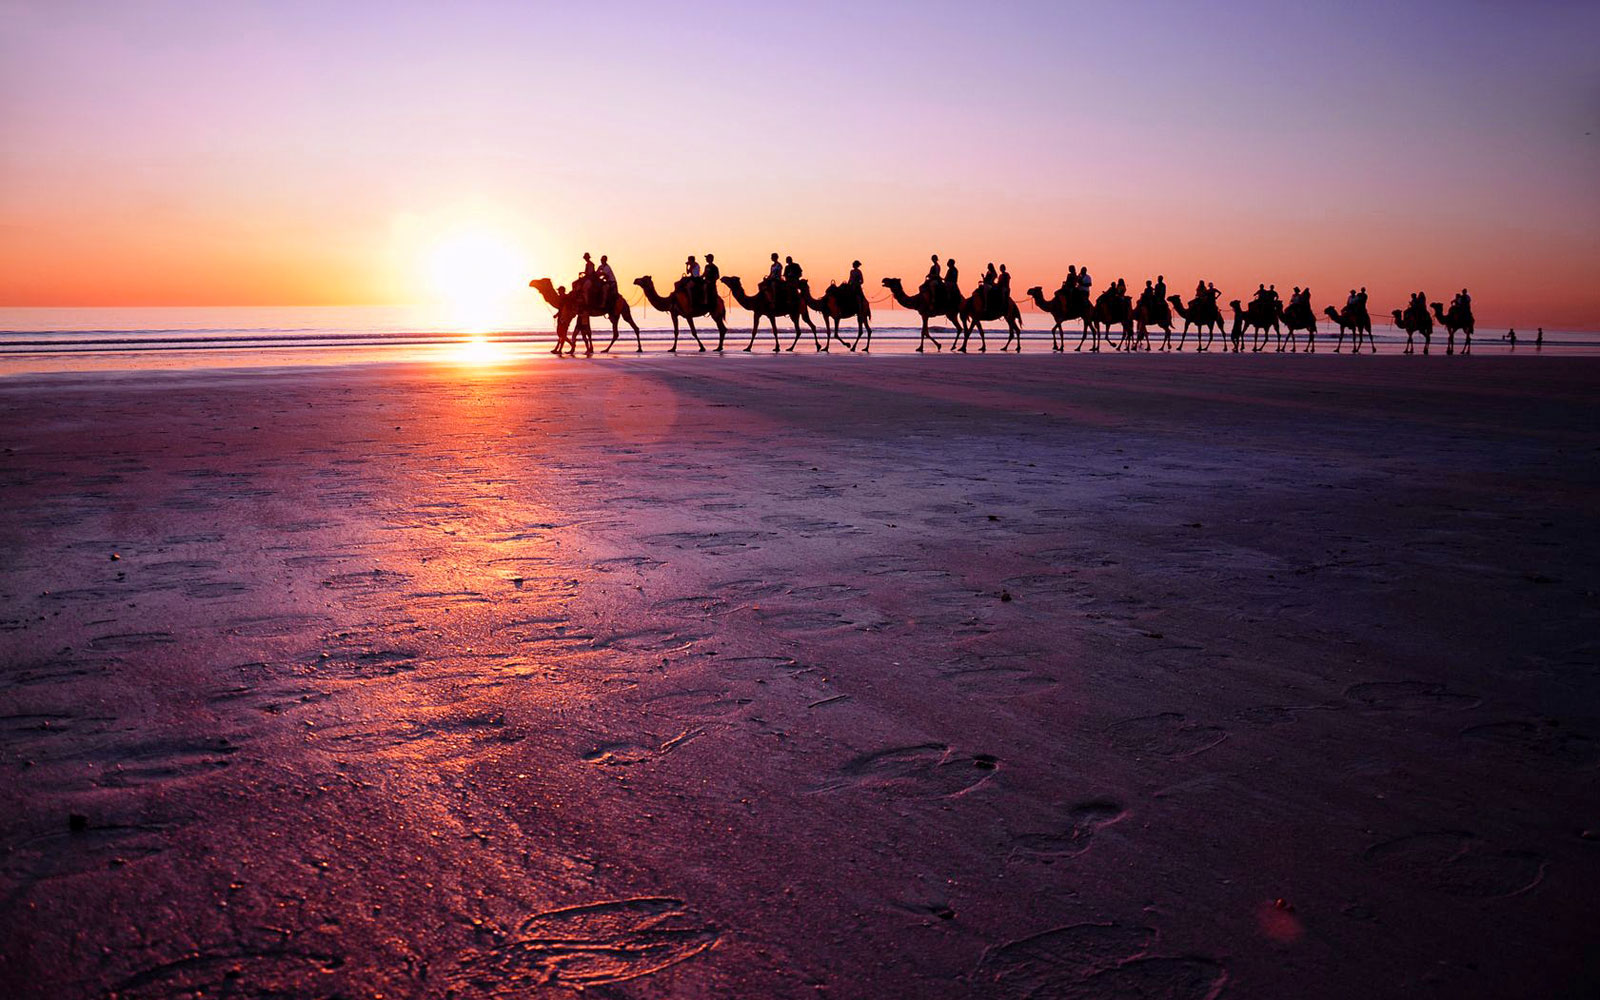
1457 864
1097 961
225 972
1538 743
929 770
1078 831
1410 696
147 763
586 946
1168 734
625 753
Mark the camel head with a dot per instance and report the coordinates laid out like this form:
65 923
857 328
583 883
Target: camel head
1036 290
1176 300
645 281
1438 310
1235 304
1332 313
1399 318
733 282
546 288
891 283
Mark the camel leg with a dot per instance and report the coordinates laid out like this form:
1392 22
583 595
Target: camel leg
792 343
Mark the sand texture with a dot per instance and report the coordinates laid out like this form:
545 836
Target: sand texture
803 677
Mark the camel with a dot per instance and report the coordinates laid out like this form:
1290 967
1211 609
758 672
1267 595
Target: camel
788 303
1459 318
1201 313
1355 319
1414 324
1261 318
1297 318
835 306
678 305
977 310
1060 308
1156 313
946 306
576 302
1110 309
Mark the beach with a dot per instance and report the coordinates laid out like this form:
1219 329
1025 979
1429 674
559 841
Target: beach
1037 676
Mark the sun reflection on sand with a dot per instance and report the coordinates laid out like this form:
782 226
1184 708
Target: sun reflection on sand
480 350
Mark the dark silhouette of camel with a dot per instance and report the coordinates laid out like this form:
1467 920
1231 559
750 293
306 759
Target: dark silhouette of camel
1355 319
1111 309
1060 308
948 306
577 306
837 304
678 305
1459 318
1202 314
1299 317
980 309
786 302
1414 323
1261 318
1156 313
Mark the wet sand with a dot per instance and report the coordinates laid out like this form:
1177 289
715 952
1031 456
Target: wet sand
799 677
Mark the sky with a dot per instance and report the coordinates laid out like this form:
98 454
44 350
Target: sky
266 153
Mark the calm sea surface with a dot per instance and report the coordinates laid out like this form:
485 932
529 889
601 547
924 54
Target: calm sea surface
36 340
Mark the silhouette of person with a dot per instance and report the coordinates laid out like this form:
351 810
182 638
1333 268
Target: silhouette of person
1538 340
1085 286
775 272
1351 300
1148 293
1003 282
1161 288
950 277
1199 290
1211 287
1069 284
609 276
1511 335
1261 295
856 279
708 279
691 281
791 271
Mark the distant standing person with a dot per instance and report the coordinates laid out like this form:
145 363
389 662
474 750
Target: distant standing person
1538 340
1511 335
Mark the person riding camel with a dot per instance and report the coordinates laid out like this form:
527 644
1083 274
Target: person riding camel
1262 297
1002 287
769 287
1211 289
1160 289
1069 285
856 285
608 277
985 287
1149 293
1085 286
709 276
691 282
930 284
951 293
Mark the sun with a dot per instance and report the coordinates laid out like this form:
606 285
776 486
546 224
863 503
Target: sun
478 275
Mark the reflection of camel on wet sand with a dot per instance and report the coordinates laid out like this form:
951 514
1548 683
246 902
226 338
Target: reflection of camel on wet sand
839 303
785 301
679 304
946 305
576 305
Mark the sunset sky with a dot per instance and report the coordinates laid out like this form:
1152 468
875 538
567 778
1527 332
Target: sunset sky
334 152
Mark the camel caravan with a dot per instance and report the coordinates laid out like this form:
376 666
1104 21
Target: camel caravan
1113 318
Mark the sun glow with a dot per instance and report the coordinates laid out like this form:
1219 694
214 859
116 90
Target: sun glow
479 277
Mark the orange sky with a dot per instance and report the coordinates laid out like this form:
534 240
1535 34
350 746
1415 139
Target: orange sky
170 154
